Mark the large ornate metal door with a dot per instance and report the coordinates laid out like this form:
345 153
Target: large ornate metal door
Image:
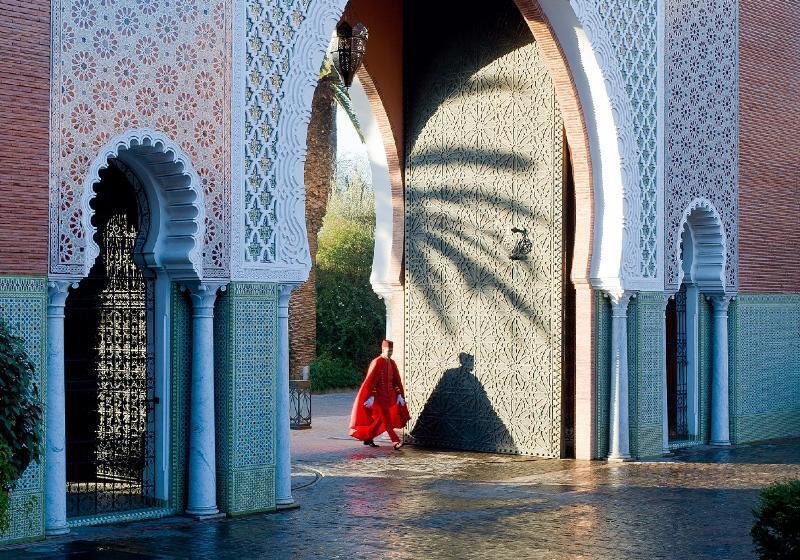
484 256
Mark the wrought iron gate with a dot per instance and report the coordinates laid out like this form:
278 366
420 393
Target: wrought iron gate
110 379
484 256
677 367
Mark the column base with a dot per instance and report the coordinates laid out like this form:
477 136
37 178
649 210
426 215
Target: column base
284 507
720 443
204 513
620 459
56 531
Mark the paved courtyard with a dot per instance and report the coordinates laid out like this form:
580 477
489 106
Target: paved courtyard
358 502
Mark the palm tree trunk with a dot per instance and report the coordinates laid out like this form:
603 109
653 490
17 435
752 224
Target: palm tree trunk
320 170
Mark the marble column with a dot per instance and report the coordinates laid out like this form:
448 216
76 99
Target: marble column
720 420
55 484
619 430
283 484
202 500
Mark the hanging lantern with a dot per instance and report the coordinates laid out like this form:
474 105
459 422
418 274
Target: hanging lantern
351 49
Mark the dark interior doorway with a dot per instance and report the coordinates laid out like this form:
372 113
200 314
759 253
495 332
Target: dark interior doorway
568 319
109 365
677 367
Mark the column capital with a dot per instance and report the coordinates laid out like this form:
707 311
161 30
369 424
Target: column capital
668 296
619 301
720 302
285 292
204 294
57 292
386 291
58 289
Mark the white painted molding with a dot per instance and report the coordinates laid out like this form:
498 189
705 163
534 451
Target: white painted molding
381 185
709 246
174 194
612 144
661 135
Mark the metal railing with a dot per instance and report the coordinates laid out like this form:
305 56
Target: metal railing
300 404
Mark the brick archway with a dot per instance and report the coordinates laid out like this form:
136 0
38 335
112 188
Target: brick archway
581 161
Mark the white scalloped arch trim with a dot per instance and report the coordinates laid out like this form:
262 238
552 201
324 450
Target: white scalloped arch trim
709 246
616 253
309 50
622 111
174 194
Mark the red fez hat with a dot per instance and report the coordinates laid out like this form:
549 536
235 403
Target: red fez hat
387 344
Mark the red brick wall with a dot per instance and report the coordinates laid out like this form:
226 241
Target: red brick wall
769 160
24 121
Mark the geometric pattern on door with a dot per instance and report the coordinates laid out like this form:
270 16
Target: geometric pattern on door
485 155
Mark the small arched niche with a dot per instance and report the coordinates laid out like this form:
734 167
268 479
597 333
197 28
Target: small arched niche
174 241
701 259
702 247
144 223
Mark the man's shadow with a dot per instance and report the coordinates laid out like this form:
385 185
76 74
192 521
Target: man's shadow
459 414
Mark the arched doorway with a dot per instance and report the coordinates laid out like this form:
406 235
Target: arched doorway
596 142
143 209
109 359
696 397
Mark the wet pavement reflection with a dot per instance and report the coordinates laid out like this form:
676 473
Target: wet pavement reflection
417 503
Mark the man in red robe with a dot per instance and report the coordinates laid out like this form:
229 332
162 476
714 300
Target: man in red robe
380 405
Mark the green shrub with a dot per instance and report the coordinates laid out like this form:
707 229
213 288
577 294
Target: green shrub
776 532
20 416
350 316
332 372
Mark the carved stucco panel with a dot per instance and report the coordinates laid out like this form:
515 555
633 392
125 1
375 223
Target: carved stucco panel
120 65
624 34
702 122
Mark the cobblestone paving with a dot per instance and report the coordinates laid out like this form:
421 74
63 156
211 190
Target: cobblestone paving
377 503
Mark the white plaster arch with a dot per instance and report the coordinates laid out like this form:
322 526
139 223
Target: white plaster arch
313 39
381 186
607 111
177 209
708 246
612 143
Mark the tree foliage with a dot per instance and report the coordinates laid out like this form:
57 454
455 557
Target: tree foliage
20 415
776 532
350 317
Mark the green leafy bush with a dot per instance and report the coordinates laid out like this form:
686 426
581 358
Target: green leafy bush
776 532
20 416
6 476
332 372
350 316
